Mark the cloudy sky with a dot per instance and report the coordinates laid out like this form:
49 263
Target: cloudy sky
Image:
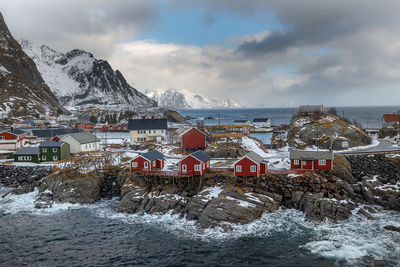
262 53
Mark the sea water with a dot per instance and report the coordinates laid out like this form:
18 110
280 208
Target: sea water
97 235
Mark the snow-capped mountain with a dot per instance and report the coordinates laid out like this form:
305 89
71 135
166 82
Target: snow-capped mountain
79 79
182 99
23 91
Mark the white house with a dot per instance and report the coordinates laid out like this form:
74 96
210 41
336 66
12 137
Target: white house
82 142
142 130
262 122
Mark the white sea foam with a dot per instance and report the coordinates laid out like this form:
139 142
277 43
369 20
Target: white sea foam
344 242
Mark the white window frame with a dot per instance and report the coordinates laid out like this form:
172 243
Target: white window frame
146 165
134 164
322 162
208 164
54 149
44 158
304 162
296 162
238 168
253 168
20 158
197 167
55 158
44 150
184 168
2 137
154 163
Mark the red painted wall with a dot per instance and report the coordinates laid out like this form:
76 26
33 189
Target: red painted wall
193 139
295 166
8 136
310 166
246 163
263 168
328 165
190 162
156 164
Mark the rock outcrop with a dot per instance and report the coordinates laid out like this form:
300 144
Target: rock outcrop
325 131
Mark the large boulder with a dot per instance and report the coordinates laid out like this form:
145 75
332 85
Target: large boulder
84 189
342 169
317 208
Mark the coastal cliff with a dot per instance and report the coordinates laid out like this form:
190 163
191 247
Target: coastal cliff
222 200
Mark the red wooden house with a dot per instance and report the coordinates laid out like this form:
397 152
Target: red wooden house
197 163
311 160
12 140
193 138
250 165
148 161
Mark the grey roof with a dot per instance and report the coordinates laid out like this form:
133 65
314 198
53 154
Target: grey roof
28 150
147 124
15 131
308 155
84 137
52 144
260 120
51 132
311 108
153 155
254 157
200 155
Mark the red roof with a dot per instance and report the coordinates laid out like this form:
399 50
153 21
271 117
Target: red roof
391 117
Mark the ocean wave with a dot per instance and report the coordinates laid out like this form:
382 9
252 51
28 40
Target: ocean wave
347 242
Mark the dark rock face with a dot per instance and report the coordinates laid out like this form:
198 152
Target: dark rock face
21 81
392 228
82 190
24 177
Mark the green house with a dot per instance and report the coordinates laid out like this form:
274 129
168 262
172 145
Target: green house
27 154
54 150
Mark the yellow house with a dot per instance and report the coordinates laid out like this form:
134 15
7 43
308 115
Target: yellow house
142 130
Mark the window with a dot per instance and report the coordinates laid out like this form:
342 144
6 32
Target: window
138 139
197 167
208 164
54 150
322 162
86 146
44 150
146 164
304 162
2 137
55 158
154 163
43 157
25 158
134 164
239 168
252 168
154 131
19 158
184 168
296 162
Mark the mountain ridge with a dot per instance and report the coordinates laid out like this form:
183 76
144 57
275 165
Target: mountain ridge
182 99
77 78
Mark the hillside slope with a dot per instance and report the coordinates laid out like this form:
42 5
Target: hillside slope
23 90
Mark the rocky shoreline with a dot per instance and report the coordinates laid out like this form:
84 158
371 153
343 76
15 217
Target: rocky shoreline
220 201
